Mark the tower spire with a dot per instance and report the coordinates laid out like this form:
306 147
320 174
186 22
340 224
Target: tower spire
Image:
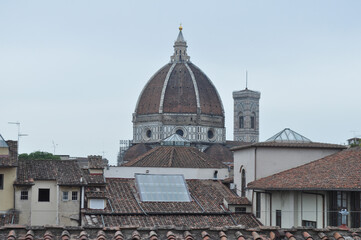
180 48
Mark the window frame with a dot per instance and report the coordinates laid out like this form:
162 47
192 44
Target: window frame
74 193
65 193
24 196
41 198
258 205
279 218
1 181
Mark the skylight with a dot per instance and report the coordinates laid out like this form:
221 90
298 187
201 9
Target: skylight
175 140
162 188
287 135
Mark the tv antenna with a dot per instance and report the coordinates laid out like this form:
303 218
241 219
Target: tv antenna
54 146
19 133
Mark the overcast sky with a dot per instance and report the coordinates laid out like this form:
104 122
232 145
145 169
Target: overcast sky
71 71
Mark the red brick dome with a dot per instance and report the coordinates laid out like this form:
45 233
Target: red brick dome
179 87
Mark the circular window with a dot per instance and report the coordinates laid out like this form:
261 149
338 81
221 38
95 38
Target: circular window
148 133
210 134
180 132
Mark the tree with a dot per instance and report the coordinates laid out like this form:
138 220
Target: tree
38 155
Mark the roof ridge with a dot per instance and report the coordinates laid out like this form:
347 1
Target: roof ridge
171 157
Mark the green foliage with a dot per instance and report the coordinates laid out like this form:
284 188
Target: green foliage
38 155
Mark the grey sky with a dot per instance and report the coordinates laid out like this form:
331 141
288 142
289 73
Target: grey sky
71 71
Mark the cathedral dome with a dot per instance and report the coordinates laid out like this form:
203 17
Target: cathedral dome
179 87
179 95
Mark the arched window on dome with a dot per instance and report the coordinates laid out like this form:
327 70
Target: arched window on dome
253 120
243 184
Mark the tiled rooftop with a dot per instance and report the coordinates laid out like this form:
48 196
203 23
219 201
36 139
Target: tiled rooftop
175 156
124 207
65 172
11 159
339 171
17 232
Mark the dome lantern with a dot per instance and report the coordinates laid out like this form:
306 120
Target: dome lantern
180 48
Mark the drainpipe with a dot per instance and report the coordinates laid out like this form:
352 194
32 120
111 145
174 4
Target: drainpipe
80 205
57 204
255 163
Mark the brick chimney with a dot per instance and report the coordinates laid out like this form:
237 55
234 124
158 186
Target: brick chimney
13 149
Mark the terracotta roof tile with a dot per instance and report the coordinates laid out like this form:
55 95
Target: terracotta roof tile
11 159
170 232
175 156
124 207
135 151
65 172
339 171
220 152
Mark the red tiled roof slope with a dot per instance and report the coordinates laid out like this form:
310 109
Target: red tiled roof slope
339 171
135 151
209 194
220 152
149 100
193 221
11 159
175 156
65 172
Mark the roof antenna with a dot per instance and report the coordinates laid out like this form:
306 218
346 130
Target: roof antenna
246 79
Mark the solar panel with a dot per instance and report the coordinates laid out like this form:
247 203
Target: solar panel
162 188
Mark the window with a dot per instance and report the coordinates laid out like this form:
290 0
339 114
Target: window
44 195
1 181
278 218
306 223
180 132
210 134
74 195
24 195
258 205
253 118
241 122
215 174
149 133
65 196
96 203
337 201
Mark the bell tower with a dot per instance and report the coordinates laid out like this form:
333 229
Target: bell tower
246 115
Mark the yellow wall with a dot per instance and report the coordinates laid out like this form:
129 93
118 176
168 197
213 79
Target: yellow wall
7 193
4 151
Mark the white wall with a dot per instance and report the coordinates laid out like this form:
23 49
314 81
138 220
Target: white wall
189 173
44 212
244 159
274 160
295 207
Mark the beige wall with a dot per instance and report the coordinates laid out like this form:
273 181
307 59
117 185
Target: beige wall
23 206
4 151
44 212
69 209
7 193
